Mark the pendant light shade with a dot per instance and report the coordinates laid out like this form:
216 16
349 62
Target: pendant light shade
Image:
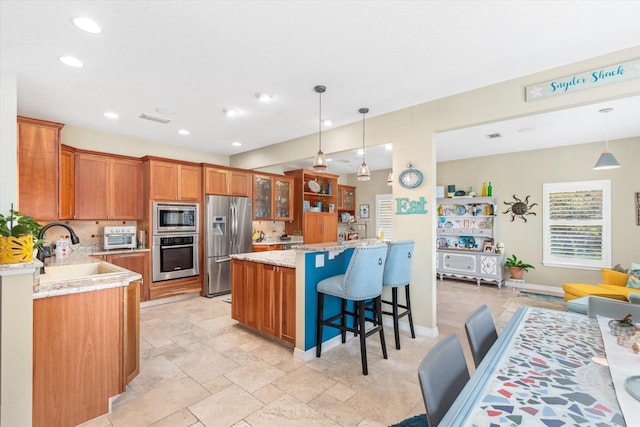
606 160
363 170
320 160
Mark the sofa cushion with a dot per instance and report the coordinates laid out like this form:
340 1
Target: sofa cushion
578 305
634 297
578 290
634 277
615 278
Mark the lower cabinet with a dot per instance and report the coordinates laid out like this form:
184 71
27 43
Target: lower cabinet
265 248
137 262
478 266
263 296
85 350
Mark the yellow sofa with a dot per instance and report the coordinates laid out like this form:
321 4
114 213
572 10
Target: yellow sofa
614 286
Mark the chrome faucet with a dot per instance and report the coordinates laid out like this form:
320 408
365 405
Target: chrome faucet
74 239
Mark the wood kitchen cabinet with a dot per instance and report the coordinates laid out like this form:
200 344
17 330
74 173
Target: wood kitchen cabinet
313 189
226 182
107 187
263 297
85 351
273 197
67 183
168 180
38 168
265 248
137 262
346 199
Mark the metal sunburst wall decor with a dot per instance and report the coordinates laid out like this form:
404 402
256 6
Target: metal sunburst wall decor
519 208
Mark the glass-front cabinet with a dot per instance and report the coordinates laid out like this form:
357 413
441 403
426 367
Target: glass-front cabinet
272 196
346 198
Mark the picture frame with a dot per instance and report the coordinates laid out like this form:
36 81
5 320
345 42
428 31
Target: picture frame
364 211
488 246
344 217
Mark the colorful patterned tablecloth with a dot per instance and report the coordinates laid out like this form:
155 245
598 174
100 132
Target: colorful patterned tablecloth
541 372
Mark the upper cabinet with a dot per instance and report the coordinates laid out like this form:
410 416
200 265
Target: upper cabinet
107 187
314 192
38 168
67 182
346 198
168 180
226 182
273 197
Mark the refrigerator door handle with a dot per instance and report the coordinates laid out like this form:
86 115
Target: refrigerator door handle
223 260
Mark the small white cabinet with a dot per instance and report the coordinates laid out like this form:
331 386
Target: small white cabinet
465 243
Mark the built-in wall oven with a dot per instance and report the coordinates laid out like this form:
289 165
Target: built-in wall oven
175 256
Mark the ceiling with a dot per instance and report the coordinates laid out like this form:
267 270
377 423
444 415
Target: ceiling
186 61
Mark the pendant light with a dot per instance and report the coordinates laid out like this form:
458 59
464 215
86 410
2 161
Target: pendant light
390 178
320 161
363 170
606 160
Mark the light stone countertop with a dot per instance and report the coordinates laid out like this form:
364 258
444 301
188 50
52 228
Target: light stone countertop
336 246
119 251
277 241
281 258
82 284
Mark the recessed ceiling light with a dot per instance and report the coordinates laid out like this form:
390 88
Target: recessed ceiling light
230 112
360 152
236 143
183 132
70 61
111 115
327 123
388 146
329 160
87 24
264 97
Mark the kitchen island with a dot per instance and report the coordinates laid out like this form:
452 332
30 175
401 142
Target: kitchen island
85 338
275 291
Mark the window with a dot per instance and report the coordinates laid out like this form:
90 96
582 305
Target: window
577 224
384 215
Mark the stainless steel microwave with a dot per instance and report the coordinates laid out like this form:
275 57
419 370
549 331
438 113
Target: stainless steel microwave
175 218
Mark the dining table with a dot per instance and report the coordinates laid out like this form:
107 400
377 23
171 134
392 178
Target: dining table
547 368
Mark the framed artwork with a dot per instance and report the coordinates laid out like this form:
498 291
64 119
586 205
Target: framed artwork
344 216
488 246
364 211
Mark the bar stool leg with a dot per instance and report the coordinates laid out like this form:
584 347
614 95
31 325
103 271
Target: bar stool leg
406 290
378 309
343 319
394 306
320 307
363 337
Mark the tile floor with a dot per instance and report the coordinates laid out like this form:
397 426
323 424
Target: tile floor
200 368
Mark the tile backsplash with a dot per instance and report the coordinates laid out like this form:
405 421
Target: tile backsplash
89 233
269 228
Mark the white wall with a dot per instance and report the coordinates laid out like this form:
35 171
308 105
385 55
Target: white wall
8 145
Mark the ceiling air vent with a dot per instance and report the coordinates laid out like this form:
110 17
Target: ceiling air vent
494 135
154 118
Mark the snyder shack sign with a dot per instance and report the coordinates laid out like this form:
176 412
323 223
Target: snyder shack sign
586 80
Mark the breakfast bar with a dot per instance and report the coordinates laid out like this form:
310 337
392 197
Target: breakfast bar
283 284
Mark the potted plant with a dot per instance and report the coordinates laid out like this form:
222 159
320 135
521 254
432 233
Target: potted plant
517 267
18 237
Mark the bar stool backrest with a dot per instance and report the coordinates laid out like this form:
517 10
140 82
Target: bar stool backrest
397 271
363 278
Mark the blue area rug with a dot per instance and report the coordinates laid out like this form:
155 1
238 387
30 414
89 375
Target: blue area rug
542 296
417 421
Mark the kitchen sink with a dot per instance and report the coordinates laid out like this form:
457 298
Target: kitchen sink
93 270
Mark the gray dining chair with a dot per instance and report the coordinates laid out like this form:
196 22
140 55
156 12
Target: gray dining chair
443 374
481 332
612 308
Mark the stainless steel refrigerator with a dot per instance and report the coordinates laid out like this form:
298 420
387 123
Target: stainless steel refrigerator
228 231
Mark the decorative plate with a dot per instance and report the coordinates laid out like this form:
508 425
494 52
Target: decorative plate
448 225
483 224
632 384
460 210
314 186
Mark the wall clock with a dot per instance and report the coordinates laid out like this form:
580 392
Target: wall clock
410 177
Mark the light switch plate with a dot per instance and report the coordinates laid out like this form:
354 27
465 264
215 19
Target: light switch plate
319 260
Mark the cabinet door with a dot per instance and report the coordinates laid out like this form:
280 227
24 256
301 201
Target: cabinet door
126 189
92 173
269 300
240 183
67 184
288 304
283 199
215 181
262 190
346 197
190 183
463 263
238 283
490 266
38 163
163 180
329 227
312 228
131 332
253 277
137 262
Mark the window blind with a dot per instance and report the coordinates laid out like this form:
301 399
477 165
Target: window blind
384 215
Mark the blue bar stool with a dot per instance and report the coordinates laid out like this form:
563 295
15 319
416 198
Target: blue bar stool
397 273
362 281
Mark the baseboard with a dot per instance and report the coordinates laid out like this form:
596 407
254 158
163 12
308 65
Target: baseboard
535 289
